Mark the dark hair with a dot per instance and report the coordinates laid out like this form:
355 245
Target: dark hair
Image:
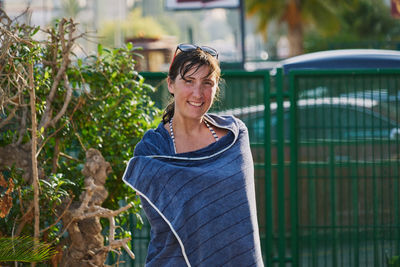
185 62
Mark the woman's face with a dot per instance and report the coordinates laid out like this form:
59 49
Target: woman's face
194 94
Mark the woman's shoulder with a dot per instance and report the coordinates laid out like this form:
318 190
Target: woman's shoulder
227 121
154 142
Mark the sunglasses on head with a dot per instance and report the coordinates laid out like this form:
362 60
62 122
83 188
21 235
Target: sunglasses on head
191 47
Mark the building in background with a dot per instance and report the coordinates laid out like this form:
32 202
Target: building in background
156 53
219 28
90 14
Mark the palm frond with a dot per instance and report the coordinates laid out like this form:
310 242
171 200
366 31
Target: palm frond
24 249
265 11
322 13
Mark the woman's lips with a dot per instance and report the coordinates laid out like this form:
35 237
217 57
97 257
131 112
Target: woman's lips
196 104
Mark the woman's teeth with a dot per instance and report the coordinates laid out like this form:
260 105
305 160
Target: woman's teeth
197 104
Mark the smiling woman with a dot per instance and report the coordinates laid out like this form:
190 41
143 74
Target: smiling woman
195 175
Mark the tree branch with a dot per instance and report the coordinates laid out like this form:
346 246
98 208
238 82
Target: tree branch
66 50
59 218
9 117
67 99
35 175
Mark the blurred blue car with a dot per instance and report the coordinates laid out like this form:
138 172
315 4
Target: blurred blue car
343 59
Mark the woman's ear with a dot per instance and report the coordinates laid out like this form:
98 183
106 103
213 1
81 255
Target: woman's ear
170 85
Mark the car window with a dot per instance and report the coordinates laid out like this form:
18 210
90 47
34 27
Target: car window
364 123
342 122
325 122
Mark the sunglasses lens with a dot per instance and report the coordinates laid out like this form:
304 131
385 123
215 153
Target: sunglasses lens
191 47
187 47
210 50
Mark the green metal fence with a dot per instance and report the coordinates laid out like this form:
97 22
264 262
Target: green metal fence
326 147
345 167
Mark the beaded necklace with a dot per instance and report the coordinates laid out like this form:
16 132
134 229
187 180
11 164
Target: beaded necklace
205 122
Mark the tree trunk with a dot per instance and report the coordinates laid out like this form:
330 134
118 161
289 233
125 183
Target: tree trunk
35 174
86 243
86 246
296 39
294 20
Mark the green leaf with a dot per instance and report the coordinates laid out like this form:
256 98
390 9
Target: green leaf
129 46
43 182
99 49
24 249
35 30
26 48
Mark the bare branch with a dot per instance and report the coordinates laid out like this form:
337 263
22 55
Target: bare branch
128 250
112 229
9 117
66 50
35 175
22 128
69 157
79 138
101 212
78 105
27 217
56 155
61 33
11 35
67 99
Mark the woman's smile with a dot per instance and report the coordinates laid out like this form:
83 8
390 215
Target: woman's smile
196 104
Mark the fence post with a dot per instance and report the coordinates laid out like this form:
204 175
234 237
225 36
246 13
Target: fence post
280 170
293 171
267 171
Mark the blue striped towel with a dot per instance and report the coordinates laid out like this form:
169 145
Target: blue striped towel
200 204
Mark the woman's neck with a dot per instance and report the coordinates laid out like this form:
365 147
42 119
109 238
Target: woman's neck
188 127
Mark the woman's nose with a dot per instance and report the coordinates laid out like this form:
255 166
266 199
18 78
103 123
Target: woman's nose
197 90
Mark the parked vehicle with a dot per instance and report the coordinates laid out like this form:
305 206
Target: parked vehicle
326 118
343 59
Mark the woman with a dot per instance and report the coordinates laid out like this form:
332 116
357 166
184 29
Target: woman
194 174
